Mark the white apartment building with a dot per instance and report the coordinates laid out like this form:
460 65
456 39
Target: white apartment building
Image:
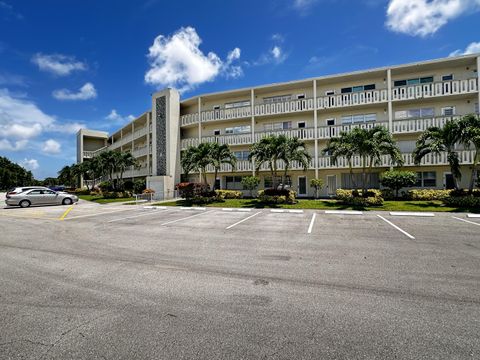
406 99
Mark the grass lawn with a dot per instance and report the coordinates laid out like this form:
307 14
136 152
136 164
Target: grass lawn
101 200
330 205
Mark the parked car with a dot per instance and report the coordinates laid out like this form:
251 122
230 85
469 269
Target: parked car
20 189
57 188
39 196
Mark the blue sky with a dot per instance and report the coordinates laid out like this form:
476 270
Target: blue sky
68 64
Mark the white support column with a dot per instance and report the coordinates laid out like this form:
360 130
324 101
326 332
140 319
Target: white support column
315 126
389 94
252 109
149 170
131 147
199 120
478 81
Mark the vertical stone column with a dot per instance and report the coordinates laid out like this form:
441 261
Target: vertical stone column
149 169
478 82
315 126
252 113
389 97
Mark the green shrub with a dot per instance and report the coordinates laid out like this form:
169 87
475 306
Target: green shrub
105 186
128 185
428 194
317 184
372 197
229 194
274 196
82 191
250 183
397 179
110 195
139 185
469 201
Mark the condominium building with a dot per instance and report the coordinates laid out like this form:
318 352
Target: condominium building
406 99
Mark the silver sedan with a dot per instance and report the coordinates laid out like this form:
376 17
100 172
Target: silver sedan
40 197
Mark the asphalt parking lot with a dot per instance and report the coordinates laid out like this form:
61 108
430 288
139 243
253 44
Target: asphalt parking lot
117 281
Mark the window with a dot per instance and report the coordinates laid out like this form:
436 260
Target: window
241 155
233 183
275 99
358 88
268 181
361 118
476 108
284 125
238 130
300 96
414 81
414 113
370 117
237 104
448 111
347 119
447 77
216 107
301 125
348 183
426 179
330 122
329 92
216 132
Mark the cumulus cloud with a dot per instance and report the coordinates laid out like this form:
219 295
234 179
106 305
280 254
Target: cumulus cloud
472 48
21 121
303 5
425 17
58 64
30 164
51 147
116 117
86 92
275 54
178 61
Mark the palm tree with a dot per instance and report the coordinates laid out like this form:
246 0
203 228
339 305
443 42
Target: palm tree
188 161
294 150
470 135
108 161
221 154
202 159
66 176
436 140
268 151
122 162
342 147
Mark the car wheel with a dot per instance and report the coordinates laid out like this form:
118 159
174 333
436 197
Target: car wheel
24 203
67 201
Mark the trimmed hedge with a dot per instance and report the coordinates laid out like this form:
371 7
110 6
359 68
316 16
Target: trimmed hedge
428 194
372 197
229 194
469 201
274 196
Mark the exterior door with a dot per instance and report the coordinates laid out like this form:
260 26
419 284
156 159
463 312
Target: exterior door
332 184
302 186
449 183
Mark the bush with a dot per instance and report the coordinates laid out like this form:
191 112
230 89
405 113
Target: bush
110 195
428 194
250 183
317 184
139 185
128 185
397 179
469 201
280 196
228 194
372 197
105 186
82 192
197 193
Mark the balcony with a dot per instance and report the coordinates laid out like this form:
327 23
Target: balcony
141 151
352 99
407 126
443 88
327 132
221 114
141 132
290 106
90 154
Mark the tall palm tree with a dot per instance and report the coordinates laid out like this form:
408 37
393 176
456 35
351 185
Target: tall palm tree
108 160
202 159
124 161
294 150
436 140
221 154
66 176
470 135
268 151
188 161
342 147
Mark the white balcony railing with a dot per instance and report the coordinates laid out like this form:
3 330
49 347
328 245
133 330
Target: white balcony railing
140 151
140 132
303 134
405 126
453 87
352 99
327 132
289 106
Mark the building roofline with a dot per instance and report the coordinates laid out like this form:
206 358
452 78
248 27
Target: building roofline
333 76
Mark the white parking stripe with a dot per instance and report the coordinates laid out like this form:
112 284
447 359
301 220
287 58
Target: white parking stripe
136 216
311 223
97 214
241 221
396 227
185 218
467 221
473 215
344 212
406 213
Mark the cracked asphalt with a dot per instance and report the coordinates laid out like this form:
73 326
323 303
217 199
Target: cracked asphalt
130 283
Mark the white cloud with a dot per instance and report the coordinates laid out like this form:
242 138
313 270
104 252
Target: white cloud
29 164
58 64
86 92
177 61
115 116
7 145
472 48
51 147
425 17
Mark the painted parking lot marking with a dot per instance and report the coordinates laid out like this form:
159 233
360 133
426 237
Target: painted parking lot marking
241 221
467 221
185 218
344 212
295 211
66 213
310 227
473 215
396 227
235 209
96 214
136 216
193 208
406 213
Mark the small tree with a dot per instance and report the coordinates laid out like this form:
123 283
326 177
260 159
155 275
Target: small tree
317 184
250 183
396 179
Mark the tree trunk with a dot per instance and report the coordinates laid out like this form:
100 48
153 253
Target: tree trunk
215 179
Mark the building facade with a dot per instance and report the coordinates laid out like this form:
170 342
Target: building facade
406 99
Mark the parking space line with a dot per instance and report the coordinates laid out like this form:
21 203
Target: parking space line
241 221
344 212
473 215
97 214
135 216
185 218
467 221
396 227
66 213
406 213
310 227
